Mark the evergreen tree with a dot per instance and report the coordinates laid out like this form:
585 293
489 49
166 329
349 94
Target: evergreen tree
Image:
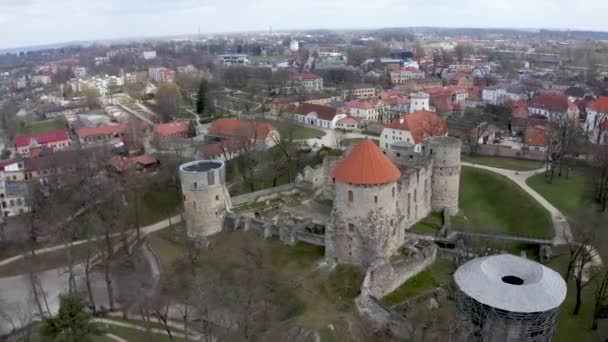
201 99
72 323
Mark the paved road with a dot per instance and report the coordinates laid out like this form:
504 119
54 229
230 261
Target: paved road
563 233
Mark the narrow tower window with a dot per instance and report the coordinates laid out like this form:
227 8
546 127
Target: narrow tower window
350 196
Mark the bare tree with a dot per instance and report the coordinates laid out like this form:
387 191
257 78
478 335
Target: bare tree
600 309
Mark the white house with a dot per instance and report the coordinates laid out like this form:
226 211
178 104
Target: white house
401 75
308 82
366 110
413 128
499 95
319 116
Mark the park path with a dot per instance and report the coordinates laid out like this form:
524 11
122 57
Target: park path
563 233
144 231
115 338
142 328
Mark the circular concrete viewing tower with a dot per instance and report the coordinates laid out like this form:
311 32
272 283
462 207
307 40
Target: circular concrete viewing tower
205 196
508 298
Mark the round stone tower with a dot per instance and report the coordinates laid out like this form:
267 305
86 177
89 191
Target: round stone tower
365 222
205 196
445 154
419 101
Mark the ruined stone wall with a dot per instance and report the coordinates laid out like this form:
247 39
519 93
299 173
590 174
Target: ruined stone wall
445 153
205 201
383 278
365 224
414 190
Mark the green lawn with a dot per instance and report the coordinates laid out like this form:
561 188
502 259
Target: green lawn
504 163
299 132
424 282
490 202
429 225
155 205
133 335
565 194
43 126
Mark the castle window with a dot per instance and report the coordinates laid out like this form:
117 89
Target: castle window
351 227
194 204
333 180
217 197
375 199
351 196
399 185
415 195
195 185
393 191
417 176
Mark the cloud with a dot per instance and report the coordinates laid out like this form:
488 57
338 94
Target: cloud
28 22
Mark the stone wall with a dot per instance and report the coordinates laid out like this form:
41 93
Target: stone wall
264 195
382 277
505 151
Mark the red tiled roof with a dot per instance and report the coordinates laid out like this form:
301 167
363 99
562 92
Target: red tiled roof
553 102
219 148
42 138
537 136
600 105
306 76
171 128
323 112
421 124
366 165
241 128
120 163
520 110
348 120
362 104
101 130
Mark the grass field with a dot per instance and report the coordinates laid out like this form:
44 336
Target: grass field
43 126
565 194
299 132
428 225
504 163
492 203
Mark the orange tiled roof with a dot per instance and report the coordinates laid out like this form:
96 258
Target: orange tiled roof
421 124
241 128
600 105
171 128
366 165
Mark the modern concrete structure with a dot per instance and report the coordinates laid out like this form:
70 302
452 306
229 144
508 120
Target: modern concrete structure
445 153
508 298
206 198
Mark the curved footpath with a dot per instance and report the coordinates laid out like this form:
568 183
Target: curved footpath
560 224
144 231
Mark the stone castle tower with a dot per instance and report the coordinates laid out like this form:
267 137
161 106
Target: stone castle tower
206 198
366 221
445 155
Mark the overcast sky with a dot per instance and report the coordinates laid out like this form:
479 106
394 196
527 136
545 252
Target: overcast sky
32 22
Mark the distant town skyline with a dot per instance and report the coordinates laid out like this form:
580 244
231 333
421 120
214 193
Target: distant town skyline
38 22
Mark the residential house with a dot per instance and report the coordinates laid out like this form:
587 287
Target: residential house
175 129
102 134
13 198
498 95
361 91
366 110
348 123
400 75
537 138
554 106
161 74
225 149
262 135
307 83
427 83
54 140
142 163
319 116
43 166
413 128
288 104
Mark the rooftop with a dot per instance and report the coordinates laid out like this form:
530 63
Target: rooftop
201 165
511 283
366 165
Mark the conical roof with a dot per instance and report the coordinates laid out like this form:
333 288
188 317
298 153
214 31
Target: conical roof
366 165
